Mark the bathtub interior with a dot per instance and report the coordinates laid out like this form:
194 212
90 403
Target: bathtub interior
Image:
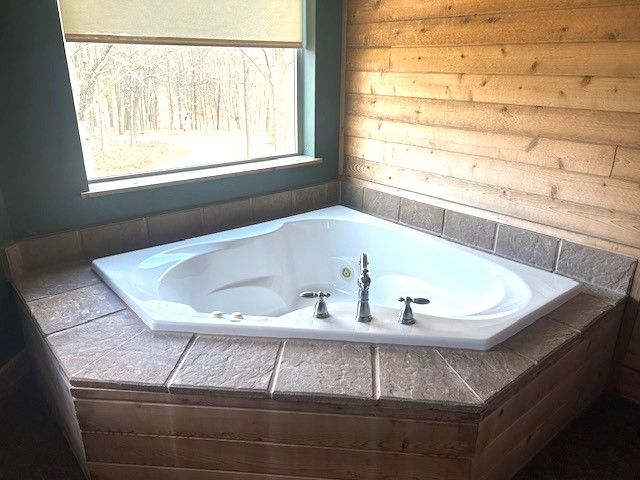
262 276
477 299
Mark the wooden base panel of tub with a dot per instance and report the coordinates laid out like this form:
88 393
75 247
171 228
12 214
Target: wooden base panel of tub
54 385
630 384
506 444
136 435
13 376
278 427
111 471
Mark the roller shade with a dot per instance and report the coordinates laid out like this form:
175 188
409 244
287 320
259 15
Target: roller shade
274 23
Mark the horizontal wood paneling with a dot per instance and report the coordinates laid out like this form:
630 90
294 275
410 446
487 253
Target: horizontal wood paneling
549 153
619 23
363 11
550 230
619 226
528 109
611 128
234 402
287 427
627 164
271 458
615 194
112 471
591 93
614 59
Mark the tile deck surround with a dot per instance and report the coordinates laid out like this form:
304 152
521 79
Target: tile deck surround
104 345
227 364
319 370
99 342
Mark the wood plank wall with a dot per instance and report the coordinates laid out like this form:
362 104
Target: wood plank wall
525 108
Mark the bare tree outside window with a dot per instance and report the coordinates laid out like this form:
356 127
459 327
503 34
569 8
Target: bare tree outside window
149 108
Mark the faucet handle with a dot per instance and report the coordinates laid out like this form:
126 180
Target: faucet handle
314 294
320 309
405 317
416 300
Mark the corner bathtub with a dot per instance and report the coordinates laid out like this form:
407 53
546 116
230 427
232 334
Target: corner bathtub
477 300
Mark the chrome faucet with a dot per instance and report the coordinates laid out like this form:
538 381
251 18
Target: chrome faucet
363 313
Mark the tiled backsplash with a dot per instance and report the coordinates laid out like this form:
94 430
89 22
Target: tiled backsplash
585 264
589 265
102 240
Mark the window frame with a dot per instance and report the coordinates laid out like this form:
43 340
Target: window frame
298 127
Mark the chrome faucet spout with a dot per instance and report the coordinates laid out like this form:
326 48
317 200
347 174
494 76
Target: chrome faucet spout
363 313
364 262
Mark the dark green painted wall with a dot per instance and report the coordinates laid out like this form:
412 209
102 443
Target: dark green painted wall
42 174
10 335
41 167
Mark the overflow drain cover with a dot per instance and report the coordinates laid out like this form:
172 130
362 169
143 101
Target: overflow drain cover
346 273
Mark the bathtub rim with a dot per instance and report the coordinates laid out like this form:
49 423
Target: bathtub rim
342 213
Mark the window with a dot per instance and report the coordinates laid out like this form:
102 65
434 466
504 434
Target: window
149 108
180 89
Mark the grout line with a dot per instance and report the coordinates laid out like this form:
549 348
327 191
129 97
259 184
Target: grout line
74 289
397 217
276 369
180 362
562 324
375 372
444 222
83 251
558 252
107 353
146 230
438 233
533 361
400 209
45 296
496 231
251 207
458 375
81 323
363 197
202 226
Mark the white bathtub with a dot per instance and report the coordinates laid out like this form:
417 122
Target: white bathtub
477 300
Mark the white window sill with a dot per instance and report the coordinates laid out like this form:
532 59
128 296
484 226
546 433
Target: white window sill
107 187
